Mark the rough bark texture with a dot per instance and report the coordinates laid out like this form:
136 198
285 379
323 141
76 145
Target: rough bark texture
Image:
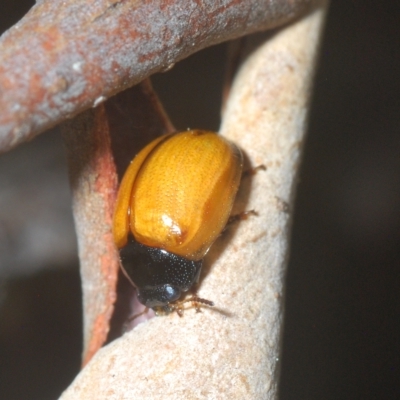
94 185
66 56
231 351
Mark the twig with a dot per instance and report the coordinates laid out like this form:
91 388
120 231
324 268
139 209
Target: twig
66 56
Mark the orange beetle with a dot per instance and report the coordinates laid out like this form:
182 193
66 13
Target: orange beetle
174 200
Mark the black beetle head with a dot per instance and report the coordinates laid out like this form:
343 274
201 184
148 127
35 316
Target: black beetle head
160 276
158 296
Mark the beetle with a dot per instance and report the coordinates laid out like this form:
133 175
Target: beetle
174 200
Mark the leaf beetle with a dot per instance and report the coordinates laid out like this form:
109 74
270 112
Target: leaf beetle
174 200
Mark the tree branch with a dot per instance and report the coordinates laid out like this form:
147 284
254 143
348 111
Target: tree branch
66 56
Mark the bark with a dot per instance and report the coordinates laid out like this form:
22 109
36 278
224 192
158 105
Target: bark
94 184
66 56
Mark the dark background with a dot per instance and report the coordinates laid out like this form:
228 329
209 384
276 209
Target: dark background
341 337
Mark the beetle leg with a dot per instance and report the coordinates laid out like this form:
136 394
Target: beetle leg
179 310
253 171
245 214
196 301
239 217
